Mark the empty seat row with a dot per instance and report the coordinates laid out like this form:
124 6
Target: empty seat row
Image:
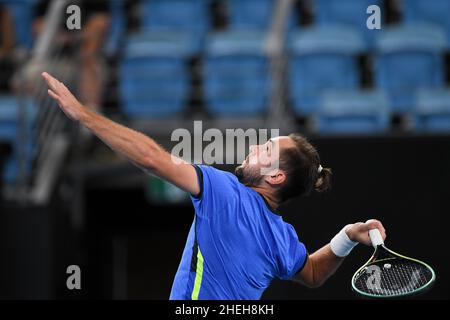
405 59
193 17
321 57
10 125
236 73
368 111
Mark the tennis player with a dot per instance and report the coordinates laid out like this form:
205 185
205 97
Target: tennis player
238 242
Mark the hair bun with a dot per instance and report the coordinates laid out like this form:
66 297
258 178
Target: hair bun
323 183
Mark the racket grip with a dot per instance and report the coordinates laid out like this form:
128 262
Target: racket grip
375 237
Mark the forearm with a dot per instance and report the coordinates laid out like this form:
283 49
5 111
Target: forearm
135 146
324 265
324 262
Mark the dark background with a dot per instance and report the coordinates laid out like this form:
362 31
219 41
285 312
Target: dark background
131 248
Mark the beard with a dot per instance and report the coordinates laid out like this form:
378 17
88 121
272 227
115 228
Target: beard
247 176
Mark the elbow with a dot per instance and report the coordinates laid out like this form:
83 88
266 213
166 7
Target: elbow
317 284
309 283
316 279
314 284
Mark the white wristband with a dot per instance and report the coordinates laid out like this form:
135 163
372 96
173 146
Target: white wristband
341 245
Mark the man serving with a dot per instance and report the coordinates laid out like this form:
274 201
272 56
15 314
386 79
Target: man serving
238 242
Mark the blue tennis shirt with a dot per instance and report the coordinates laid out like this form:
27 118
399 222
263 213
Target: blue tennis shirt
236 244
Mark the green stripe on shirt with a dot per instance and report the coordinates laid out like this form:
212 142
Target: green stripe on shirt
198 275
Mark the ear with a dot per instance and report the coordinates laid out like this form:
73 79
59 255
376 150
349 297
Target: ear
275 178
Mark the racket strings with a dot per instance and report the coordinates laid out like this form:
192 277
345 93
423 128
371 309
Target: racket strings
392 277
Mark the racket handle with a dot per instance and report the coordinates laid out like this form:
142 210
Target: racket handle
375 237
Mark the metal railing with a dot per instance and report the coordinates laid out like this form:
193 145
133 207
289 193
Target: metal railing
278 116
43 144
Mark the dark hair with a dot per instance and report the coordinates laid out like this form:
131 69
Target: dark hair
301 165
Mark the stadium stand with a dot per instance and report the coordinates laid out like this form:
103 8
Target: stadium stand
409 58
432 111
250 14
154 75
350 13
321 58
353 112
22 13
10 131
233 67
236 75
421 11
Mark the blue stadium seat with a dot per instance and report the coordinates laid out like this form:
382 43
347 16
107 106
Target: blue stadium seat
424 11
250 14
153 86
244 42
9 126
254 14
164 44
8 118
409 58
181 20
236 75
116 29
353 112
22 13
350 13
321 58
432 111
10 170
175 15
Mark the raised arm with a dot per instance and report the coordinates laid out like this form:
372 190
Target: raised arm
135 146
324 262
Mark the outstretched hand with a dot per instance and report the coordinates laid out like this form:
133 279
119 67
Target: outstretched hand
359 232
65 99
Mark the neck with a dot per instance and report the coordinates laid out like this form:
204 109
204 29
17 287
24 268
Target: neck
269 196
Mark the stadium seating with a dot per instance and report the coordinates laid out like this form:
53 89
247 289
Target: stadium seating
116 29
409 58
321 58
186 21
255 15
423 11
350 13
154 75
432 111
153 86
250 14
22 13
155 80
353 112
236 74
9 126
237 80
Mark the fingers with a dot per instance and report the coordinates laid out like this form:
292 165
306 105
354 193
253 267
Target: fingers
52 82
375 224
53 95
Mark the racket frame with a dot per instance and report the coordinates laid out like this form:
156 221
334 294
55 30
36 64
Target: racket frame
373 258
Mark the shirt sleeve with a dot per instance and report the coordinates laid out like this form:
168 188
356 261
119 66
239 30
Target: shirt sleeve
292 256
217 189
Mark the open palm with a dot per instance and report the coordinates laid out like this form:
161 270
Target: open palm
65 99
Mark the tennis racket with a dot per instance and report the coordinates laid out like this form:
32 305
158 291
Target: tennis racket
388 274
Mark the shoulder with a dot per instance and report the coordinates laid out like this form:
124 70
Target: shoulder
216 175
217 183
